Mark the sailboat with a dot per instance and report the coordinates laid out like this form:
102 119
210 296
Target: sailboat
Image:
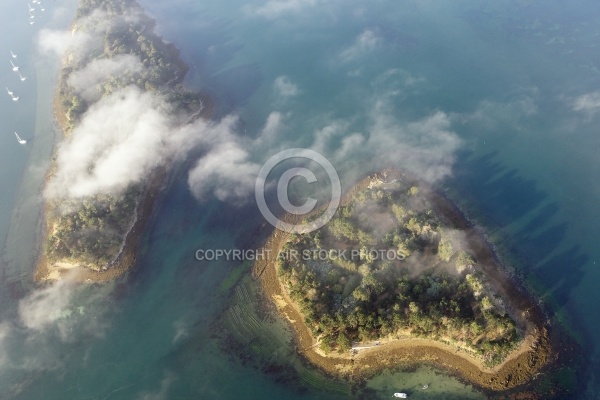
21 77
21 141
13 54
15 68
12 95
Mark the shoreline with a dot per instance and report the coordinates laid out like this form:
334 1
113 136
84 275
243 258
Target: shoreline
126 258
154 185
519 367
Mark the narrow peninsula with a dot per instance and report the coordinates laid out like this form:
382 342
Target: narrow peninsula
398 275
120 78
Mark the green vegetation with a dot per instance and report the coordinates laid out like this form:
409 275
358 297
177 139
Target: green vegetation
422 284
91 231
124 30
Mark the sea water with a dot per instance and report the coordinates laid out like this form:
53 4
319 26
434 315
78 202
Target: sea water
507 76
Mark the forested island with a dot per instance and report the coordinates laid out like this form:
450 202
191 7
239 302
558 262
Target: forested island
398 275
115 50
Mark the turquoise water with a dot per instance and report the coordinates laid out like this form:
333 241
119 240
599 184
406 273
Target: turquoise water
505 76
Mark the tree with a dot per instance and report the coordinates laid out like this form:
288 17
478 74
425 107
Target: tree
445 250
413 307
360 294
343 342
325 344
399 212
486 304
463 260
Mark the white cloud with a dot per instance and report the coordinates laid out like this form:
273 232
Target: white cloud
181 329
123 136
588 103
492 114
424 147
324 136
60 308
100 22
73 45
162 392
86 79
270 131
42 308
285 88
47 319
349 144
276 8
396 82
85 37
367 41
225 171
119 140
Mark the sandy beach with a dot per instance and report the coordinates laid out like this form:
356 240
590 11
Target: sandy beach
126 258
157 181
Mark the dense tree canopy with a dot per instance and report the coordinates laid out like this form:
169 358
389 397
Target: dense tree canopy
90 231
422 284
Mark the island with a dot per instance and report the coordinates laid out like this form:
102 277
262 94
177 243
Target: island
113 51
399 275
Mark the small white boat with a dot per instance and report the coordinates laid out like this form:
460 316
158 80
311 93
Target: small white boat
401 395
21 141
12 95
31 22
15 68
21 77
13 54
30 8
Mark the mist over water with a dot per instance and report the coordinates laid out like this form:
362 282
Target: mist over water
497 103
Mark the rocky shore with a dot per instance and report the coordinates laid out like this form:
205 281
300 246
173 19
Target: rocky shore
520 367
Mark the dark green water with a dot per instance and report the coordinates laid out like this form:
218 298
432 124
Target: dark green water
486 92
